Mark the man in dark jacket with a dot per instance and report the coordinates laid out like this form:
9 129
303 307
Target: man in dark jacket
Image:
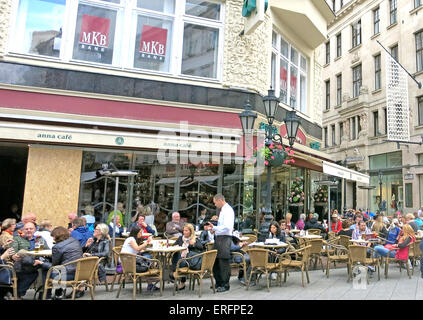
80 232
314 224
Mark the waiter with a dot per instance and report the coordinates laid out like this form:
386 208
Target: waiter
223 232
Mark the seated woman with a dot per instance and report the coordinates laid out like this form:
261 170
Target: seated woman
346 231
134 244
193 246
99 246
379 227
118 228
393 232
236 246
66 249
275 233
401 252
301 222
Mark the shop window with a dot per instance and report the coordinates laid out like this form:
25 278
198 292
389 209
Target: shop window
39 26
94 34
165 6
203 9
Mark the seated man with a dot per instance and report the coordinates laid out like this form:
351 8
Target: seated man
26 272
362 229
175 227
80 231
207 235
314 224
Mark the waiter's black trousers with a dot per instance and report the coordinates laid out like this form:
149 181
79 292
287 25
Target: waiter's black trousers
222 272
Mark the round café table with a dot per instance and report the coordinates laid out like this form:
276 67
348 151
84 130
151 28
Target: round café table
40 253
164 255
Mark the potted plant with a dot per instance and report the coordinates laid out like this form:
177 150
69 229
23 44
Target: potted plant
297 195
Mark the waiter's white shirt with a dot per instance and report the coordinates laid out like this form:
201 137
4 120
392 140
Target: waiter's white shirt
225 224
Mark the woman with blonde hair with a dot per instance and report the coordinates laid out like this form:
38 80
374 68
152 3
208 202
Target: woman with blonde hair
400 250
379 227
193 246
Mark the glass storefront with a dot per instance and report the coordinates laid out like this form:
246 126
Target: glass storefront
189 188
391 185
185 188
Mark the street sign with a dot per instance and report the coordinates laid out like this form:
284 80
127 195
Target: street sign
409 176
352 159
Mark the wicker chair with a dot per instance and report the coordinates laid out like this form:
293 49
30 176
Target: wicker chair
206 271
259 263
300 262
85 275
344 241
314 231
251 238
116 252
336 254
415 254
316 251
209 246
129 266
358 256
13 280
119 242
242 265
389 260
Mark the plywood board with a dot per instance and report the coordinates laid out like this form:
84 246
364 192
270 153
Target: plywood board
52 183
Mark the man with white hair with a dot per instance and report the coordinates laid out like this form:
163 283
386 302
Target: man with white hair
175 227
30 217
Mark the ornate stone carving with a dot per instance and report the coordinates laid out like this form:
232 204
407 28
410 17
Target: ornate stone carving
4 24
246 57
363 125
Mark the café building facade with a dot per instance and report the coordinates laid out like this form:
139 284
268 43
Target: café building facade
154 87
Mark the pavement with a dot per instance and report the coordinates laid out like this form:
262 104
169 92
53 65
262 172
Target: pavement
396 287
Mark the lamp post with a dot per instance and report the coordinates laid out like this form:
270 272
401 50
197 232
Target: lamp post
292 121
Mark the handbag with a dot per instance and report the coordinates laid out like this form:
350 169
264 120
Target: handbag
195 263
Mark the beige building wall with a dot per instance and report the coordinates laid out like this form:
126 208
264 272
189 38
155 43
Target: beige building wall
52 183
4 24
370 100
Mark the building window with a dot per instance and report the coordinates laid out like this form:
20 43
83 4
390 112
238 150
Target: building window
182 38
385 112
420 158
35 34
419 51
338 45
375 123
409 195
356 33
327 46
341 131
353 131
333 135
376 21
417 3
394 52
420 108
393 11
338 89
325 133
356 80
378 72
327 86
292 67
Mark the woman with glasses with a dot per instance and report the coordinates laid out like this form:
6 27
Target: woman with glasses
99 246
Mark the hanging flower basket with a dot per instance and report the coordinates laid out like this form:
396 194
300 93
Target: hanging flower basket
274 155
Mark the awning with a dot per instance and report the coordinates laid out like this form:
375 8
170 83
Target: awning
171 180
345 173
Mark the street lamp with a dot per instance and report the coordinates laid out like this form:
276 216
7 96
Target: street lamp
292 122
